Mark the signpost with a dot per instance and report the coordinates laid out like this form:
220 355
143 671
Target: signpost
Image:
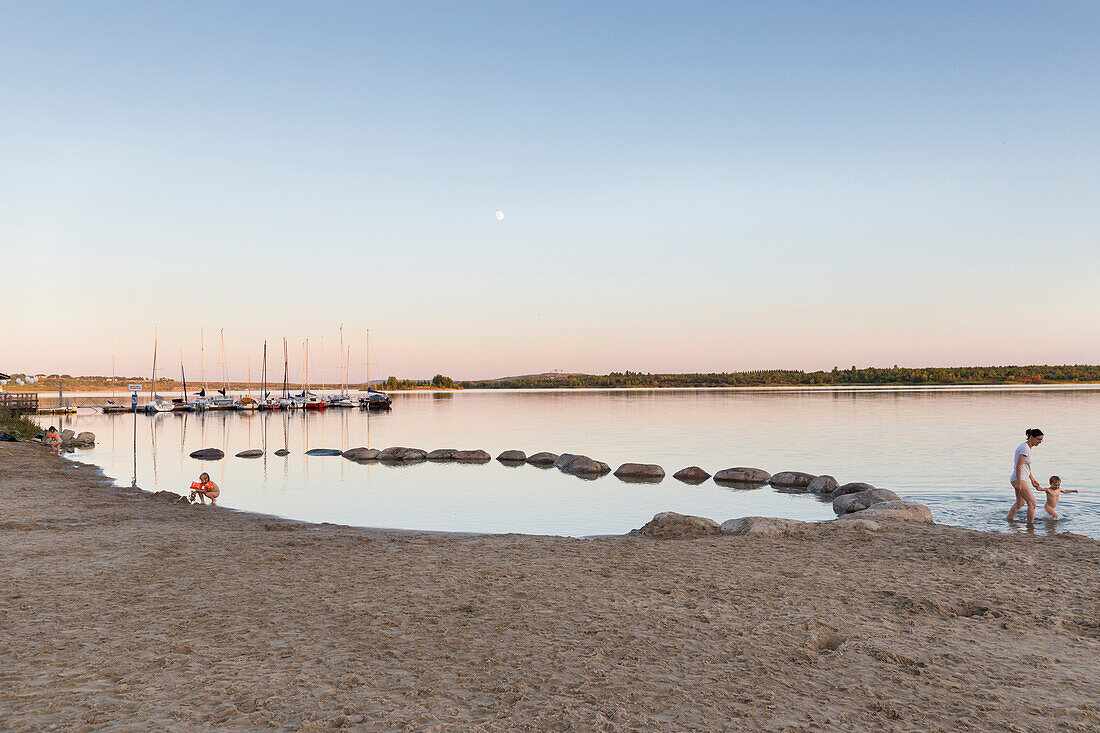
134 389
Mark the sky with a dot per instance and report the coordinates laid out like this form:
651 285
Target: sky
705 186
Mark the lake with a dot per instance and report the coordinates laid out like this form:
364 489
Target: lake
950 448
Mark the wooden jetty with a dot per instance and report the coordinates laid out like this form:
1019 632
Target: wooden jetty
19 402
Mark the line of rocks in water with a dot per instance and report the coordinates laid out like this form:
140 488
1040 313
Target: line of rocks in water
849 498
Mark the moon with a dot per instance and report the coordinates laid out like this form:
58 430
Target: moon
500 215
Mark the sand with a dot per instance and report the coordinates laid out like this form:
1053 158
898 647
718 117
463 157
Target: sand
119 611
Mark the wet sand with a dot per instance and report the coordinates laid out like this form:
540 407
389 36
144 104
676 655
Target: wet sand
121 611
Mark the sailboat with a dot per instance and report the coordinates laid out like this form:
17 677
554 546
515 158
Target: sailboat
247 402
112 405
266 401
201 401
374 400
222 401
286 402
342 399
180 404
156 404
309 401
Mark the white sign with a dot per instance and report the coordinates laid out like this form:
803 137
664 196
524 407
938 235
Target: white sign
133 387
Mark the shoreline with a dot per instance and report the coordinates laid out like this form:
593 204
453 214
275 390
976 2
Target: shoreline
126 611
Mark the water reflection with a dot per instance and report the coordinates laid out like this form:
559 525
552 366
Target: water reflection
948 449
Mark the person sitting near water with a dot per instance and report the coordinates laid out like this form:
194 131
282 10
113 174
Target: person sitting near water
203 488
1053 492
53 439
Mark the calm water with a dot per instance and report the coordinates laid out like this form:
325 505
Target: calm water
951 449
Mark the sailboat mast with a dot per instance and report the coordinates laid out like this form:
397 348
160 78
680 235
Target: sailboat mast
263 377
368 358
347 366
183 375
153 382
322 364
112 372
225 366
202 352
286 368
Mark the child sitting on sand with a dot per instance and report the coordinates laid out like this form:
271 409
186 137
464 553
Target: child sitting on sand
1053 492
53 439
203 488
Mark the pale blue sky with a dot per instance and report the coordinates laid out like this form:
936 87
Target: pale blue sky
702 186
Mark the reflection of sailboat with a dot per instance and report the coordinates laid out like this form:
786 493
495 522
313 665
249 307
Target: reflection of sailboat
156 404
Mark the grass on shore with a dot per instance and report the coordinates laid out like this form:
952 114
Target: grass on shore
18 424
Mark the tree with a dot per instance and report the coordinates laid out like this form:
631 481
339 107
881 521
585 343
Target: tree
440 381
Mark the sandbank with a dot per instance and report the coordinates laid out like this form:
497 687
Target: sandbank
120 611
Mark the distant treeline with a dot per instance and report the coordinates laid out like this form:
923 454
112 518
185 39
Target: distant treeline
795 378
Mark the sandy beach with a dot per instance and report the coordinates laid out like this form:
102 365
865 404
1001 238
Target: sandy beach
122 611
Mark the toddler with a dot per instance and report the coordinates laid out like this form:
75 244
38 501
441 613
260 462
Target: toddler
1053 492
203 488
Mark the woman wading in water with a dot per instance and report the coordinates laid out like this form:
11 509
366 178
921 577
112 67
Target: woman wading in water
1022 480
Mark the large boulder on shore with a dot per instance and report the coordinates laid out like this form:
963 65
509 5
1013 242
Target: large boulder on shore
208 454
860 500
824 484
648 472
442 454
472 456
282 452
67 435
543 458
852 488
762 526
691 475
512 456
743 475
908 510
673 526
361 454
792 479
324 452
82 440
398 454
250 453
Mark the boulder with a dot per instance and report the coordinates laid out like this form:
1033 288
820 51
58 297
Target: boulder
792 479
649 472
543 459
361 454
907 510
852 521
673 526
691 475
208 454
67 435
472 456
824 484
324 452
762 526
282 452
852 488
512 456
251 453
742 475
402 455
860 500
442 454
585 466
169 496
84 439
565 459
